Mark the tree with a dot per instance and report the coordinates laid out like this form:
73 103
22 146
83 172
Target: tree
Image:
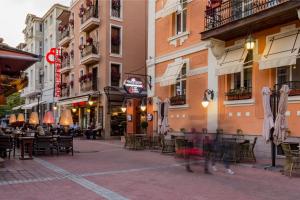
11 101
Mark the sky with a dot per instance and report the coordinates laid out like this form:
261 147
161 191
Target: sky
13 14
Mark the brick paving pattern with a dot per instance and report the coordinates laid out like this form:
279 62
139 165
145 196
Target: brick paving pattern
105 170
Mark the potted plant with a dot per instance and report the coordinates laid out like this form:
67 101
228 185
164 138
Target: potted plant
81 47
65 54
88 4
144 126
61 28
81 11
89 41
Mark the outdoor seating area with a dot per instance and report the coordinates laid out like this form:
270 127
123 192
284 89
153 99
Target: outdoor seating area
31 142
240 149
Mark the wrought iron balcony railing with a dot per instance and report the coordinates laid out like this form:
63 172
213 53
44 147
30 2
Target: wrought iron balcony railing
91 13
90 49
224 12
293 85
239 94
178 100
65 62
90 85
64 34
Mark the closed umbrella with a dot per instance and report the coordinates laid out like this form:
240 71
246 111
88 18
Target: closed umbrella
280 130
268 115
165 123
160 117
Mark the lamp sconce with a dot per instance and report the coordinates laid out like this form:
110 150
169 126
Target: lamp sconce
250 43
124 106
205 100
90 100
143 106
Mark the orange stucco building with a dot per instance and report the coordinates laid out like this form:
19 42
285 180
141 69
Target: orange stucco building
184 63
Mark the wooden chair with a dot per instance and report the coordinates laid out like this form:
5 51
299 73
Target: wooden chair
168 145
292 160
7 145
65 144
44 144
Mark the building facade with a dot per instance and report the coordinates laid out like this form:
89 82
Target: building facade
101 41
180 64
33 35
187 65
40 35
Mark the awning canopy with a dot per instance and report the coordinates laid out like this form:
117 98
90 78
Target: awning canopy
170 7
232 60
29 106
281 50
171 73
73 100
17 107
12 62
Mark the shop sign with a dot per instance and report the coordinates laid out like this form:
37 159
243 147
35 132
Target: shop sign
54 57
149 117
129 118
133 85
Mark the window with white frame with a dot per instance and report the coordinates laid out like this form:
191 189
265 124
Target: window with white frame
115 74
115 40
51 41
116 8
41 27
45 25
46 46
180 18
243 79
289 74
179 89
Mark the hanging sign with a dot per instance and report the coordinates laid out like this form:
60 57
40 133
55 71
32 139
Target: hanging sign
133 85
54 57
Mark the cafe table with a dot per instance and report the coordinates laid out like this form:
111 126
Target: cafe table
26 141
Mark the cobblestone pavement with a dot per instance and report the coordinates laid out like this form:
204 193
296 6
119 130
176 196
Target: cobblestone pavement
105 170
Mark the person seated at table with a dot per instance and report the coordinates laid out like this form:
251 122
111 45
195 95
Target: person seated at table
41 131
1 132
89 132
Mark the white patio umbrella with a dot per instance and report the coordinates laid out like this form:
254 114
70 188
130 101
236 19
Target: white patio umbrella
280 130
268 115
165 122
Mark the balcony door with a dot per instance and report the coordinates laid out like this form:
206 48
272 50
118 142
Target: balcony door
94 78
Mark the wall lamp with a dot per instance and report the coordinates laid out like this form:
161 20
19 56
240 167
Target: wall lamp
124 106
90 100
205 100
143 105
250 43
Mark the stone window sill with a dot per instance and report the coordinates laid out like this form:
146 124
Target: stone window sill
179 106
239 102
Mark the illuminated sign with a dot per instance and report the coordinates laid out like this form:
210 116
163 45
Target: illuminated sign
54 57
133 85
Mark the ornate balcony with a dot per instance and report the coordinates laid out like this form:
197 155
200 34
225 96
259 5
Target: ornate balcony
90 54
65 91
178 100
66 64
90 20
65 38
239 94
89 85
226 20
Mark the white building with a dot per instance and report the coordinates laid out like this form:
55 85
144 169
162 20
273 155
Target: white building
33 34
41 34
